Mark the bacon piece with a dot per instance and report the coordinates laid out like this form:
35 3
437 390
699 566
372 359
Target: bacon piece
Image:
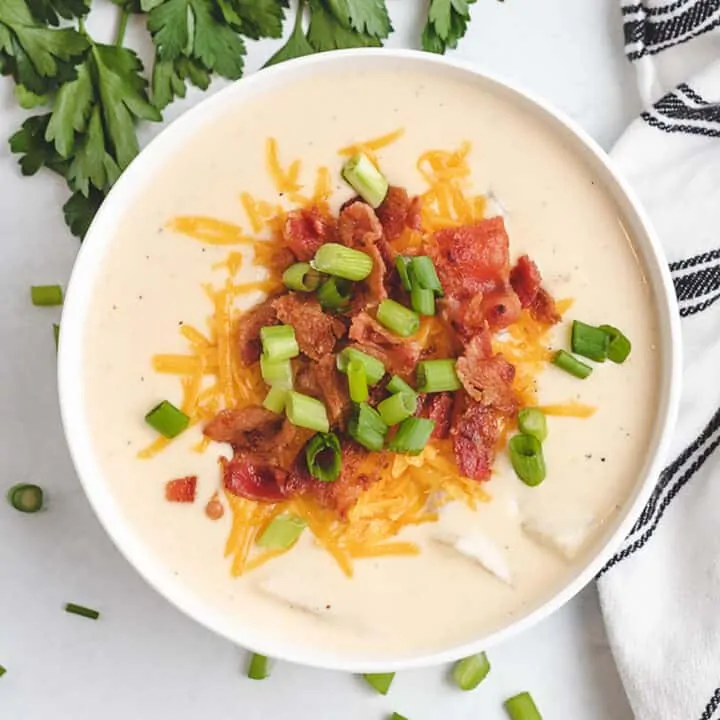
398 359
543 308
437 407
281 260
253 478
325 382
247 333
397 212
489 381
500 308
305 230
526 280
475 435
181 490
250 428
316 331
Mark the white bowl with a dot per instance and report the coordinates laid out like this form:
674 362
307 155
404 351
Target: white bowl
79 298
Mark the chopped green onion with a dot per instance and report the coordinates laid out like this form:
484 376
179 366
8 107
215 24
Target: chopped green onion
374 369
334 294
74 609
168 420
282 532
275 399
305 411
2 670
258 668
567 362
402 264
412 436
396 317
589 341
357 381
397 384
471 671
423 273
527 459
301 277
531 421
279 342
25 497
397 407
397 716
56 334
341 261
367 428
380 681
365 179
46 295
522 707
324 457
422 301
276 372
437 376
619 346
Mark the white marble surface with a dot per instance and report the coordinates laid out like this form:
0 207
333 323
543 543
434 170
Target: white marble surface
143 659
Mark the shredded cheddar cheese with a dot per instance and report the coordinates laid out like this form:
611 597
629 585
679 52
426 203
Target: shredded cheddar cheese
371 147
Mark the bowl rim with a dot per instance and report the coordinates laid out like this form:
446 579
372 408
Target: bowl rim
102 499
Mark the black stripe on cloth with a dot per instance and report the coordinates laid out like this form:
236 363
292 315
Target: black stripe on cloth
712 706
708 434
670 127
695 260
699 307
639 7
698 283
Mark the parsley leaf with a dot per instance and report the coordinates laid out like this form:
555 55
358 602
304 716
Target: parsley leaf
297 44
36 151
255 18
447 22
326 32
364 16
50 11
171 76
79 211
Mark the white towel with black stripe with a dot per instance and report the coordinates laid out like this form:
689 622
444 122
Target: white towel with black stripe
660 593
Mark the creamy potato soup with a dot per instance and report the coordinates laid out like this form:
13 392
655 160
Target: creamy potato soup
469 565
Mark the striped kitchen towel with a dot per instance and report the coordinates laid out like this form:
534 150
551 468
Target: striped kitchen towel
660 593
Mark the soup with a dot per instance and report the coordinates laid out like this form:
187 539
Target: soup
502 547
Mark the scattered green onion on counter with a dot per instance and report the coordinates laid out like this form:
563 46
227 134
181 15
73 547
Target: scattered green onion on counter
343 262
396 317
275 399
589 341
396 384
334 294
422 301
324 457
437 376
56 335
302 277
276 372
619 346
522 707
423 274
166 419
380 681
397 716
26 498
374 369
412 436
2 670
259 667
397 407
469 672
367 428
365 179
527 459
46 295
532 421
305 411
357 381
282 532
279 342
81 610
570 364
402 264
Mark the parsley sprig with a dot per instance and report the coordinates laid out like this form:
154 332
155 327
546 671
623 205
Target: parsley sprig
95 94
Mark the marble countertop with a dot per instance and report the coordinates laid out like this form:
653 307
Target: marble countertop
144 659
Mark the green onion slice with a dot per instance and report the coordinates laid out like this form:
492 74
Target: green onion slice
87 612
471 671
397 384
335 294
374 369
56 335
522 707
305 411
2 670
276 372
258 668
412 436
402 264
282 533
357 381
396 317
619 346
367 428
570 364
25 497
422 301
324 457
397 407
279 342
423 273
343 262
302 277
46 295
168 420
365 179
589 341
527 459
437 376
532 421
275 399
380 681
397 716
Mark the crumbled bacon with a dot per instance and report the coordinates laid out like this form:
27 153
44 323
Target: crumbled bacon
316 331
250 428
437 407
397 359
397 212
526 280
489 381
247 333
543 308
253 478
181 490
305 230
475 434
500 308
